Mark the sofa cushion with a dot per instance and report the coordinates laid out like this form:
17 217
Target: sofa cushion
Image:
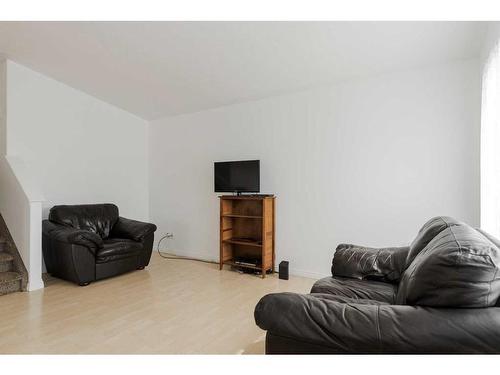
356 289
425 235
97 218
344 299
458 268
117 248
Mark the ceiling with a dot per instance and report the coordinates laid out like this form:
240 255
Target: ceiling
157 69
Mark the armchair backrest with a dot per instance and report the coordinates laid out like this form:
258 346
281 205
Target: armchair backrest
97 218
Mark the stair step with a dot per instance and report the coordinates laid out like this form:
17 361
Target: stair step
6 257
10 282
9 276
5 262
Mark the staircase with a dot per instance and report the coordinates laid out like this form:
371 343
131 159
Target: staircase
13 274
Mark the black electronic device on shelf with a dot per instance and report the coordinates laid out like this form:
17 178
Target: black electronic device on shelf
237 176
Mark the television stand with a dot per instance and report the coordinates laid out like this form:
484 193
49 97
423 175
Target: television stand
242 194
247 231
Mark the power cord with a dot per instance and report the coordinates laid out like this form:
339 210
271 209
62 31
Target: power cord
178 257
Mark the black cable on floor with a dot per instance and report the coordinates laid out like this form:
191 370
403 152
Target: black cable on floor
177 257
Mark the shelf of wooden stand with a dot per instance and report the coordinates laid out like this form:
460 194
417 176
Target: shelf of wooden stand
243 216
234 264
243 242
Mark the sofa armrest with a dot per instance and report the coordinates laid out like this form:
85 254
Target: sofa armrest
378 328
319 321
132 229
359 262
72 236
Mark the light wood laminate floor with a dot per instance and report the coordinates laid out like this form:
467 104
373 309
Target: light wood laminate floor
171 307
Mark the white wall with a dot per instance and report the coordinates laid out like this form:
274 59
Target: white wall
490 39
365 162
20 201
83 150
3 107
489 191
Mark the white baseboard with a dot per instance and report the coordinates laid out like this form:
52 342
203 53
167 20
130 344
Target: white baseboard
35 285
308 274
210 257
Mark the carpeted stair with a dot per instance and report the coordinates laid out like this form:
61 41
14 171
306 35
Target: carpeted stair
13 275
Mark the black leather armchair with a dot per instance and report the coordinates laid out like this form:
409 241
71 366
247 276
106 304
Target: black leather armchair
83 243
439 295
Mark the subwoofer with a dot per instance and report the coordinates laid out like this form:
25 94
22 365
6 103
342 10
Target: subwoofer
284 270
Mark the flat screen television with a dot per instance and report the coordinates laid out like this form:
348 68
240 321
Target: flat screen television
237 176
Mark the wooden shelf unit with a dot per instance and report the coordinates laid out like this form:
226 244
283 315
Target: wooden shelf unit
247 230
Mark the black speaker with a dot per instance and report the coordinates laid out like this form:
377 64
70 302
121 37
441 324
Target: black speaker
284 270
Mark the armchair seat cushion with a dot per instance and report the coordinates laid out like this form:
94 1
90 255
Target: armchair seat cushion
356 289
117 248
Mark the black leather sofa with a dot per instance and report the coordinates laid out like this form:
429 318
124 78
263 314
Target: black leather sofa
439 295
84 243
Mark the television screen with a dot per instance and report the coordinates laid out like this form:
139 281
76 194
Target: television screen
237 176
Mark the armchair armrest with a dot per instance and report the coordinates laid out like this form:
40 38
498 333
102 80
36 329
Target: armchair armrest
359 262
72 236
69 253
378 328
132 229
